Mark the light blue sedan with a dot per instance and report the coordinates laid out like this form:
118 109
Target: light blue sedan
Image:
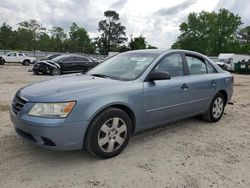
132 91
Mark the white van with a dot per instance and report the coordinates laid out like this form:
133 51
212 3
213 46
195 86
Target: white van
228 60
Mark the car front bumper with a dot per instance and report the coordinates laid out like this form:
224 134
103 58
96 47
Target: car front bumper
60 136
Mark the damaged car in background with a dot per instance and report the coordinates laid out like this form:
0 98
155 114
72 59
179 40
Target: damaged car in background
64 64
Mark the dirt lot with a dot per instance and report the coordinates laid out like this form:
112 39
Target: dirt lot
190 153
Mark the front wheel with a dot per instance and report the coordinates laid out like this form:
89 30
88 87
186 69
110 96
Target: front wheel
108 134
216 109
55 71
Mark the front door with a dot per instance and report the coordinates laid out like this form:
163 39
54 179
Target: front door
167 100
11 57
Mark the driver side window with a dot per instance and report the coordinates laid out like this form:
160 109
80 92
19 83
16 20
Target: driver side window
171 64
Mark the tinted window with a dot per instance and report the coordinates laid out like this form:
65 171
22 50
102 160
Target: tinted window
196 65
81 59
171 64
69 59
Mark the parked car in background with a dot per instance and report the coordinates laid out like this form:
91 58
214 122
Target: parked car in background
64 64
227 61
1 61
129 92
16 57
50 56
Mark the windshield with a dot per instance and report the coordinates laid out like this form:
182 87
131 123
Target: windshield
125 66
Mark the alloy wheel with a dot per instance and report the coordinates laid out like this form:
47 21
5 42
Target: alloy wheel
218 107
112 135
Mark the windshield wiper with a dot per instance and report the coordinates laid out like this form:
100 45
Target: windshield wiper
100 75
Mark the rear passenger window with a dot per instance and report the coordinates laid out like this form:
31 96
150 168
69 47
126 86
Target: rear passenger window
171 64
196 65
81 59
69 59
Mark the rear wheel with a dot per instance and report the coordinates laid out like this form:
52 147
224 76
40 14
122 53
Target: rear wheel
55 71
216 108
2 61
108 134
26 63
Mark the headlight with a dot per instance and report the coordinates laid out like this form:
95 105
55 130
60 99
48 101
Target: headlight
53 110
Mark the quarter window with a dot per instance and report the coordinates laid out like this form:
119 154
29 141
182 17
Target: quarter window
171 64
210 69
196 65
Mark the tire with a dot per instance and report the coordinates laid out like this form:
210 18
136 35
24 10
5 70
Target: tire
108 134
26 63
55 72
216 109
2 61
36 73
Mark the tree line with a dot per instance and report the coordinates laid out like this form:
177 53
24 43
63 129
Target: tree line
30 35
209 33
213 33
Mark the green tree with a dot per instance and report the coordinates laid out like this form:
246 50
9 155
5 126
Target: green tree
209 33
23 39
112 33
79 40
7 37
58 37
245 32
151 47
44 43
138 43
34 29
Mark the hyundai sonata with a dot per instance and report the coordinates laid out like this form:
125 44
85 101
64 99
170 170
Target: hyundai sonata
132 91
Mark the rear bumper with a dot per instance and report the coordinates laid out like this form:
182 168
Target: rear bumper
62 136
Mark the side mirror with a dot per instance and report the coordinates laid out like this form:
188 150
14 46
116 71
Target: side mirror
159 75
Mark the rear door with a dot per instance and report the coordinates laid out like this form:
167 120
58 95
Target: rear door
69 64
82 63
201 81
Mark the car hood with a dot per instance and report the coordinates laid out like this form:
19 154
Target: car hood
65 88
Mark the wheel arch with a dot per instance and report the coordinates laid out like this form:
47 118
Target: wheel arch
224 93
26 60
121 106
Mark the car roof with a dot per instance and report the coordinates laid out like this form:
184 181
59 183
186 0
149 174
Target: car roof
163 51
156 51
69 55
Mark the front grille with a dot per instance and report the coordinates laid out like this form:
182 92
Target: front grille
17 104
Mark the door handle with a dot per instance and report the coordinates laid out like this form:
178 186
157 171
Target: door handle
184 87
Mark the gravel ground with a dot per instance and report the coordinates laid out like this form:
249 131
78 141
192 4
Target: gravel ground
190 153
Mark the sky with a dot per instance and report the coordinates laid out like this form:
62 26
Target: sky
157 20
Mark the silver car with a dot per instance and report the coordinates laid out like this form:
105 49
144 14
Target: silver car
132 91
